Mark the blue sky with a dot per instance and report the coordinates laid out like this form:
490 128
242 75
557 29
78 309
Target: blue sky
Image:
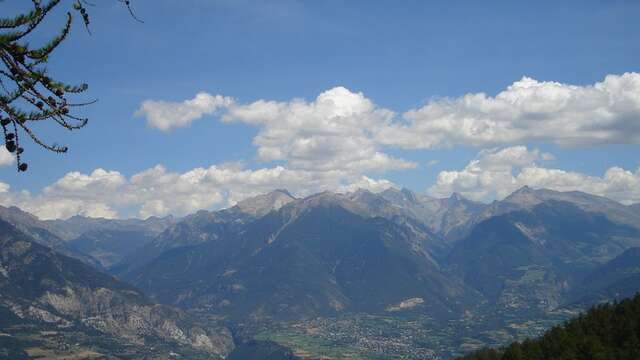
400 56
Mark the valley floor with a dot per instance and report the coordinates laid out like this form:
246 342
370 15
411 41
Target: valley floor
366 336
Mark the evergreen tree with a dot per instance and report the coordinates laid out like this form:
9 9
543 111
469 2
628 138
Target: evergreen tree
28 93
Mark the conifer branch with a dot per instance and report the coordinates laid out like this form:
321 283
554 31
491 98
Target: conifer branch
28 93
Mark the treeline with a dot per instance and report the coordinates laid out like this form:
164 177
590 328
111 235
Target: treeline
607 331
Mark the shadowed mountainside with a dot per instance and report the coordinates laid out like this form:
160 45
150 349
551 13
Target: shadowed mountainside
40 288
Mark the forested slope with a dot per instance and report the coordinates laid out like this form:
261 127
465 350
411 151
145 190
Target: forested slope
608 331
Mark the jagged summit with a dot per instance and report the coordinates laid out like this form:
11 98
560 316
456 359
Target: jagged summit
400 197
329 198
262 204
527 198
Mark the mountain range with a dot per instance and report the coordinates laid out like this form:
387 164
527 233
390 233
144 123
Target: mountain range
284 271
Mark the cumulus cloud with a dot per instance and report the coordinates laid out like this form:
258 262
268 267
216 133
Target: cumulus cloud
603 113
496 173
165 115
345 127
158 192
336 131
367 183
6 158
333 132
342 130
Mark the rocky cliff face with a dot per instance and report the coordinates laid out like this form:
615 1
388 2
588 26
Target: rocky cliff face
38 285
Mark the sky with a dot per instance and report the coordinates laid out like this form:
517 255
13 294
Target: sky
211 101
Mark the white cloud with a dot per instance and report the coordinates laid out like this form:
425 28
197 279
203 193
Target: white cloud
333 132
165 115
157 191
493 174
77 183
367 183
605 112
6 158
344 130
336 131
496 173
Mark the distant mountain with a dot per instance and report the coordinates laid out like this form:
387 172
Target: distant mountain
203 226
110 246
261 205
526 198
316 256
75 226
43 233
530 259
446 217
431 219
454 215
97 242
616 279
439 221
41 289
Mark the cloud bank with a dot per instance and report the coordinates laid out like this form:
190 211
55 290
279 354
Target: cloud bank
606 112
493 174
158 192
496 173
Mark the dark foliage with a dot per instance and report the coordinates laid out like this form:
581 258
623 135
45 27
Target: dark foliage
608 331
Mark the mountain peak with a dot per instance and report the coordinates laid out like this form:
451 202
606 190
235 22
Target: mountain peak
353 202
400 197
526 195
262 204
524 190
